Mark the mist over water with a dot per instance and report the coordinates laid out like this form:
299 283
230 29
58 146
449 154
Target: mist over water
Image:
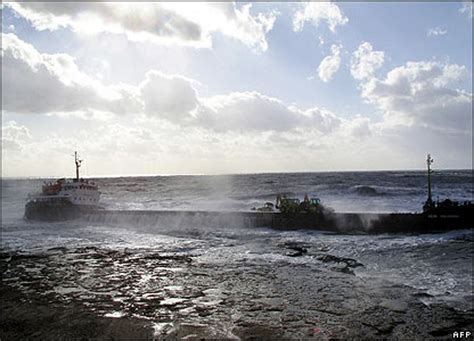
343 191
439 264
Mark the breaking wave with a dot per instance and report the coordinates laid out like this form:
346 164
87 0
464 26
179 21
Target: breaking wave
366 190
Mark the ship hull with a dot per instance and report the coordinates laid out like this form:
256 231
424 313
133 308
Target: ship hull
58 210
336 222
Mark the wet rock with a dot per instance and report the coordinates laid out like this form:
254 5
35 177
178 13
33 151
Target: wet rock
352 263
296 249
395 305
159 256
257 332
25 256
256 299
448 329
422 295
5 256
296 253
382 320
454 321
57 249
343 269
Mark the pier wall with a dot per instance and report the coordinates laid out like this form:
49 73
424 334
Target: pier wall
329 221
337 222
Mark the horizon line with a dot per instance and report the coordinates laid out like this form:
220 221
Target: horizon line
25 177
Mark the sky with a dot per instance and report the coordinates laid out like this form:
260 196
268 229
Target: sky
216 88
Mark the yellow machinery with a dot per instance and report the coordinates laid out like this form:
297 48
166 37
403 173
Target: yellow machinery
290 205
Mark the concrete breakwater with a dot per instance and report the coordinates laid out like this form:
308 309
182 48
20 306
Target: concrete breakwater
326 220
336 222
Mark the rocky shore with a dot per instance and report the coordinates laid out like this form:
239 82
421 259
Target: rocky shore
89 292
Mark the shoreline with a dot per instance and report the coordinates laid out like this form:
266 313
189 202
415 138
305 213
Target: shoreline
64 293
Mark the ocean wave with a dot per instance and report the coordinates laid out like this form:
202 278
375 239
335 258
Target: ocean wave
126 184
366 190
133 190
271 196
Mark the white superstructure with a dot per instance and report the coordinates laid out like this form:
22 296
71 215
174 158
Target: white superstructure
75 191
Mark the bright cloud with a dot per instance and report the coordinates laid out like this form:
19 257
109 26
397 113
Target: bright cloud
422 93
226 18
44 83
186 24
330 64
317 12
143 106
14 136
467 8
359 128
252 111
365 61
172 97
437 31
52 83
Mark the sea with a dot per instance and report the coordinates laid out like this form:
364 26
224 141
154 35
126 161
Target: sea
440 266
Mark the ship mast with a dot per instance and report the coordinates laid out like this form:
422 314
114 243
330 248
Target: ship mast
429 161
78 164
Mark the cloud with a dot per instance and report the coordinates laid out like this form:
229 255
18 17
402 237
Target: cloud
467 8
437 31
14 136
421 93
171 97
226 18
186 24
330 64
252 111
37 82
40 83
316 12
321 40
149 121
365 61
358 128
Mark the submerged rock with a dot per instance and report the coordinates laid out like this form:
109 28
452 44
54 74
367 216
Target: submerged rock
296 249
296 252
351 263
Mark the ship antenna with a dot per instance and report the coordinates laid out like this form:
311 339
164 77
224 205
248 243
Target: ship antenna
78 164
429 161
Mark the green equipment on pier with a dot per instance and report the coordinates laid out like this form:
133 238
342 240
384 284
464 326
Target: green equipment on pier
293 205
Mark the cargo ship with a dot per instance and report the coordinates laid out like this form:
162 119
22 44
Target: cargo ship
79 198
64 198
436 216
